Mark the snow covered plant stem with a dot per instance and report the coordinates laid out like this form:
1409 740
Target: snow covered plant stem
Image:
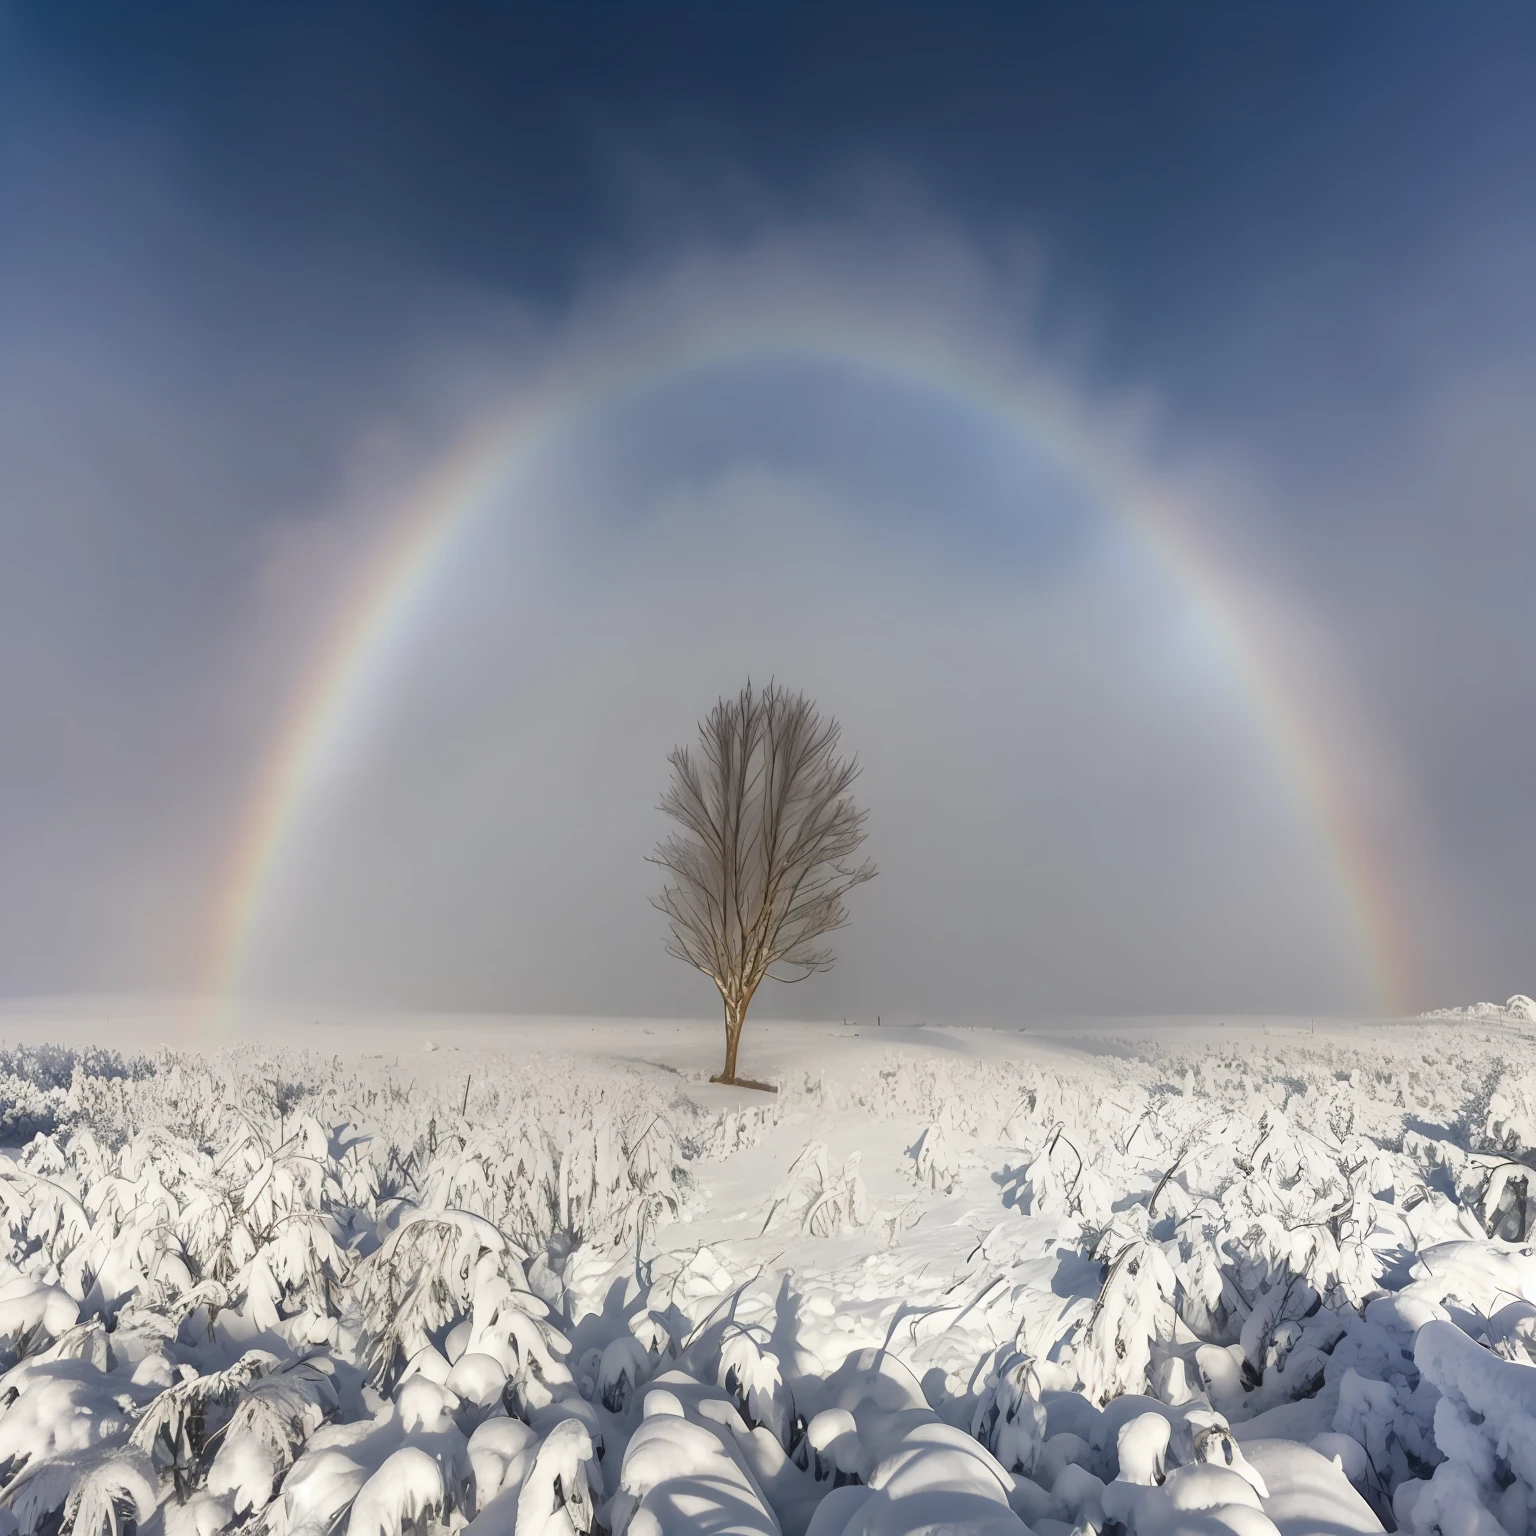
764 858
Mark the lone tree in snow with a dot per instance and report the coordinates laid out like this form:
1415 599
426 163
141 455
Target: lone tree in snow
764 858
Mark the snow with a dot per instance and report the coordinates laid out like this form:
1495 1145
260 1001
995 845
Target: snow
1308 1490
1156 1278
1519 1009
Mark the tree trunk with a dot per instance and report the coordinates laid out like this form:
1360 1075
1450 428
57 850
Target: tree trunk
735 1017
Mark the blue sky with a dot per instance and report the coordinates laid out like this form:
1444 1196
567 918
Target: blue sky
258 266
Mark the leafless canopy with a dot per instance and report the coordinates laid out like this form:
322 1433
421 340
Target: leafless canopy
764 858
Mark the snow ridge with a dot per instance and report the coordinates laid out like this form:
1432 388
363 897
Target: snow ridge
1519 1009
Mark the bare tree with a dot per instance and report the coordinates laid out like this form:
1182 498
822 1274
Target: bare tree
764 857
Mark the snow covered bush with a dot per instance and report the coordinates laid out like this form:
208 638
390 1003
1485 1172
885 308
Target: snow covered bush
750 1373
934 1163
1009 1419
1134 1310
1485 1427
826 1200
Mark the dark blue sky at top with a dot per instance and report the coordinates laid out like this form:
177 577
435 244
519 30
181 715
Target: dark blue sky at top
229 233
1222 188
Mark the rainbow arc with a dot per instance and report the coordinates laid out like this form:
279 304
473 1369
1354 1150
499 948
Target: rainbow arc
470 483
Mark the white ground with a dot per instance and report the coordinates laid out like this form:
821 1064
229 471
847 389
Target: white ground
939 1233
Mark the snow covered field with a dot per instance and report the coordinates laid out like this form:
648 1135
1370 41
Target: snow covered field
1176 1277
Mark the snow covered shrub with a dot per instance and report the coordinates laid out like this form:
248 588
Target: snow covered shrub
751 1374
1009 1419
32 1316
680 1464
47 1088
603 1172
1485 1426
257 1414
1185 1473
27 1110
622 1369
1134 1310
1504 1200
1208 1301
1059 1180
1299 1211
652 1335
1510 1123
561 1490
736 1130
827 1201
97 1490
408 1493
934 1163
427 1275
